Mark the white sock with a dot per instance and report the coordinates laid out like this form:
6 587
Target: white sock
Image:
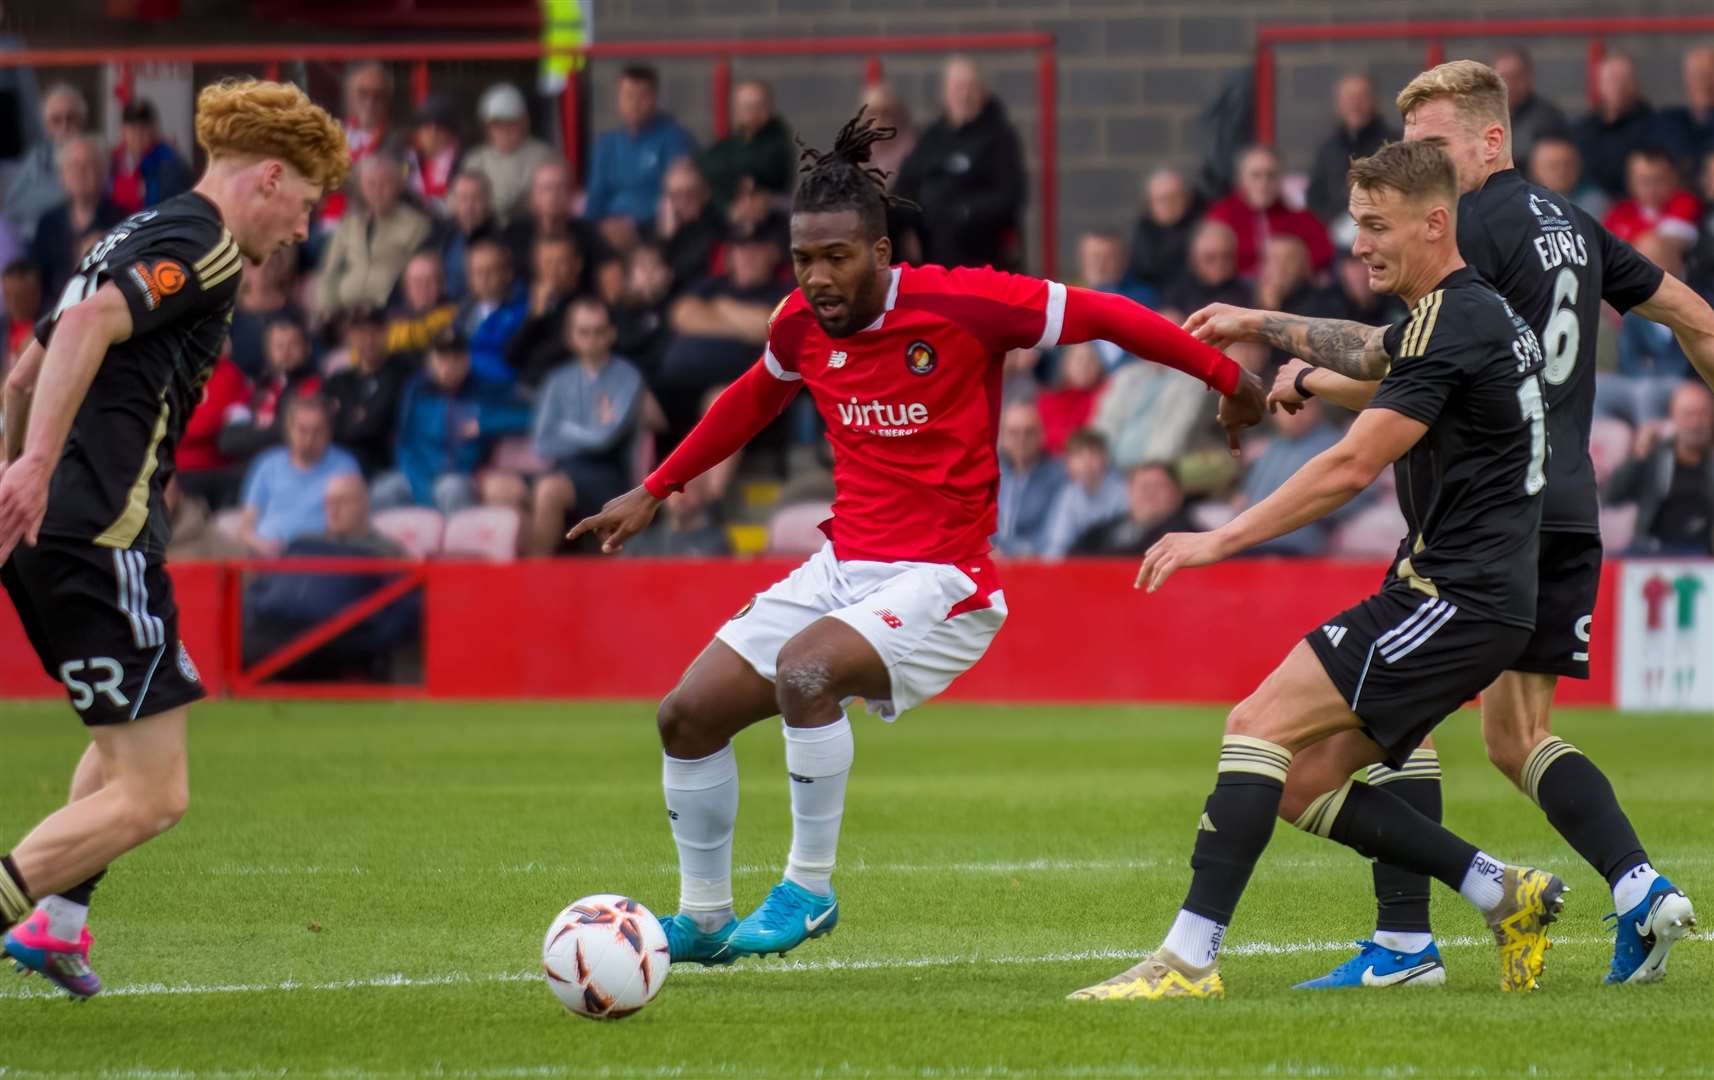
1194 939
1400 941
819 762
65 918
702 802
1482 882
1635 885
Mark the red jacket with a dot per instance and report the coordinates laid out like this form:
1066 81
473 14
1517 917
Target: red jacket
226 388
1676 220
1253 228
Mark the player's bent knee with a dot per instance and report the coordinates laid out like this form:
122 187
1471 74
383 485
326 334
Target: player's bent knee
675 721
1508 750
804 678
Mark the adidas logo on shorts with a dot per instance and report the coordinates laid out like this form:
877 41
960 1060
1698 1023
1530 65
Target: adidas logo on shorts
1335 634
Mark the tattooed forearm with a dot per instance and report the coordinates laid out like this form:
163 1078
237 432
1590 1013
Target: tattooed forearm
1349 348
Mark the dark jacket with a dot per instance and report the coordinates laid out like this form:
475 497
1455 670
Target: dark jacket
366 410
1159 253
1647 482
769 159
1605 146
971 185
55 248
1327 193
1534 118
1125 537
690 251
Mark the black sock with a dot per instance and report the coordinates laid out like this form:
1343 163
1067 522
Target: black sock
1579 802
15 902
1237 821
1401 896
1383 826
83 890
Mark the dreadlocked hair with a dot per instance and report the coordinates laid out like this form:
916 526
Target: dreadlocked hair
843 179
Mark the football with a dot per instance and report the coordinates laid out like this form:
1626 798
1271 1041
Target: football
605 956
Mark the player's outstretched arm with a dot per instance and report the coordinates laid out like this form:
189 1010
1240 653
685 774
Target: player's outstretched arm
1326 482
80 342
736 417
1676 305
1297 375
1352 349
1099 316
20 387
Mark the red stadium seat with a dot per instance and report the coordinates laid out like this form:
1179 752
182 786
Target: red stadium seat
417 529
1618 526
483 532
1372 533
517 454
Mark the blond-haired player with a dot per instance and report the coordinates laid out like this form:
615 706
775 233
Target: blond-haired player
1554 264
93 410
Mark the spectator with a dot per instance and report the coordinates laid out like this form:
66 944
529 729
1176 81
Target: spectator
509 157
58 244
203 470
755 212
1255 211
1556 164
368 251
145 169
585 423
1655 202
890 110
1360 132
689 225
1700 263
286 488
472 221
288 373
349 523
365 394
1149 413
1671 478
640 317
1093 496
265 295
1068 408
689 529
368 97
1154 507
36 187
629 162
1360 302
493 312
1620 122
1296 437
1213 276
548 218
1688 129
539 345
424 310
1030 481
722 323
21 299
967 173
449 418
1651 363
433 154
1160 244
1285 284
1533 116
759 148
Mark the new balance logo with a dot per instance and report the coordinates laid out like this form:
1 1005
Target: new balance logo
1335 634
1206 824
836 359
890 619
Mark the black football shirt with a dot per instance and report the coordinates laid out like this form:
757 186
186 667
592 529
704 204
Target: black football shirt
178 269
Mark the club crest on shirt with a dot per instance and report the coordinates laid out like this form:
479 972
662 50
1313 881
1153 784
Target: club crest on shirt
919 357
745 610
186 668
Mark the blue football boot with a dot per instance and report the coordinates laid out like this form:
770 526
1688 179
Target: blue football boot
1377 966
1647 933
689 943
787 918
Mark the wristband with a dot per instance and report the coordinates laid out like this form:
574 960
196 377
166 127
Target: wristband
1297 384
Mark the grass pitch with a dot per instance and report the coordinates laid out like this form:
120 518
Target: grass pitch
362 890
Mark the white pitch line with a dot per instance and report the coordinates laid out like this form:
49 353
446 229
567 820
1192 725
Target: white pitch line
776 967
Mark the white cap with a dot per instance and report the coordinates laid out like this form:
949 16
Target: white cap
502 101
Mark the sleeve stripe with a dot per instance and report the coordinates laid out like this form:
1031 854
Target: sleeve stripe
1055 321
775 369
1421 326
222 272
217 253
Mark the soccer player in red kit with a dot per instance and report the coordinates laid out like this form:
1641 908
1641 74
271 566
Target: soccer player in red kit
904 365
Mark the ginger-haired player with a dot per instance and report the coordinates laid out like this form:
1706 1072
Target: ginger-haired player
94 408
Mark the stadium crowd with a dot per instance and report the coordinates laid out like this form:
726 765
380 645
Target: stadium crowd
472 352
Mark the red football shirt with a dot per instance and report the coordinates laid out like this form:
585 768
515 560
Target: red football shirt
912 405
